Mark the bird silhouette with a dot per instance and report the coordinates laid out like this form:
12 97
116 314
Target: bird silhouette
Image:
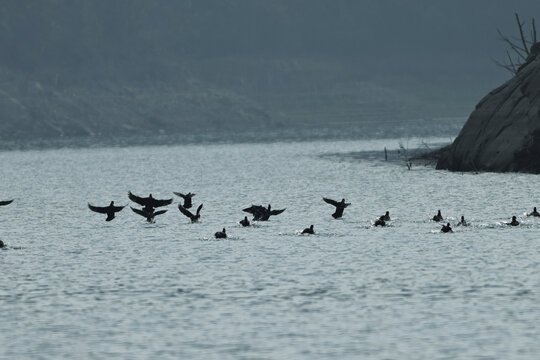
189 214
261 213
340 206
187 199
110 210
149 214
221 234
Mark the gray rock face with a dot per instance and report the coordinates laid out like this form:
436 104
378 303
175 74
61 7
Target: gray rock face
503 132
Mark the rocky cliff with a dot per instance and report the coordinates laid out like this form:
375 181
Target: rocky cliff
503 132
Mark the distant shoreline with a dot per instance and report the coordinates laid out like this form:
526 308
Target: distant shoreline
397 129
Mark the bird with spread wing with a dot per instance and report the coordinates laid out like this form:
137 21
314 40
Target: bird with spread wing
189 214
110 210
261 213
340 206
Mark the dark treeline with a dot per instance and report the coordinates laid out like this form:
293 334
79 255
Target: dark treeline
241 62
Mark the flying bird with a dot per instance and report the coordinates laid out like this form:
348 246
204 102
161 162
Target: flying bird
148 214
149 202
340 207
109 210
189 214
5 202
187 198
261 213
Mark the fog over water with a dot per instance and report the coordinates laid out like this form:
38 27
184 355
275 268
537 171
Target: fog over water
101 68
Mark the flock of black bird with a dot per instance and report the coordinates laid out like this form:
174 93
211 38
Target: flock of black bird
259 212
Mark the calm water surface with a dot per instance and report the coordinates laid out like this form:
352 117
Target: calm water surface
75 286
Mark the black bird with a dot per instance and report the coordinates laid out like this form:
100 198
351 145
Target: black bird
109 210
438 217
308 230
462 222
221 234
380 221
340 207
1 244
149 214
187 199
245 222
261 213
534 213
514 222
386 217
189 214
446 228
149 202
5 202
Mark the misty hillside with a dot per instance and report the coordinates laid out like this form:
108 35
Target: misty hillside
136 66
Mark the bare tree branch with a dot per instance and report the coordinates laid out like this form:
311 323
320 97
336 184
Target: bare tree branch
520 25
504 66
519 46
522 53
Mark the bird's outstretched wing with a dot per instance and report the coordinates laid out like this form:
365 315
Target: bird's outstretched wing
199 209
118 208
158 203
140 212
5 202
251 209
277 212
139 200
186 212
183 196
330 201
98 209
160 212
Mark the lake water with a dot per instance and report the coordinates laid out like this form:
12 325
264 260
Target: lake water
75 286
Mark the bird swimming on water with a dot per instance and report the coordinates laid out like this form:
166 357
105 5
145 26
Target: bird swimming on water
1 244
514 222
462 222
189 214
245 222
380 221
221 234
148 213
386 217
534 213
187 198
340 206
261 213
438 217
5 202
110 210
446 228
308 230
